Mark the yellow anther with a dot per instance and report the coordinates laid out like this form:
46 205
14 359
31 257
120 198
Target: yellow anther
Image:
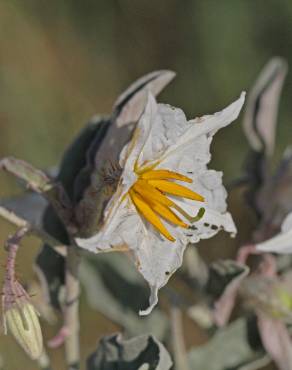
168 214
175 189
151 194
148 196
164 174
149 214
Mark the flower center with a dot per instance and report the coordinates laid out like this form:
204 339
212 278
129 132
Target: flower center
148 194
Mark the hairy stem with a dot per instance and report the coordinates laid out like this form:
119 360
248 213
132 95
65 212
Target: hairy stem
12 246
71 313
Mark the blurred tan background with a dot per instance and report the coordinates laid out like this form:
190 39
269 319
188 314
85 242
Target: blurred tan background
63 61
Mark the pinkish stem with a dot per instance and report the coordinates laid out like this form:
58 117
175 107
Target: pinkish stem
12 289
244 252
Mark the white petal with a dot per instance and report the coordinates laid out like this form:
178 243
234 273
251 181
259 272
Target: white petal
163 134
171 132
281 243
157 259
287 223
131 152
209 184
121 229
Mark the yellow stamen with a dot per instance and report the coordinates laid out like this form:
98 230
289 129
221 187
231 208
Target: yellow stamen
175 189
150 193
144 168
149 214
164 174
148 196
168 214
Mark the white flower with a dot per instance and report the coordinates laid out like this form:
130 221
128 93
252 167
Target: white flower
164 190
281 243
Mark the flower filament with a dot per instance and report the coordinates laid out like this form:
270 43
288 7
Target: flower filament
148 196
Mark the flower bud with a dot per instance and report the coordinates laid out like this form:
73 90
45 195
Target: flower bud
24 325
270 295
21 319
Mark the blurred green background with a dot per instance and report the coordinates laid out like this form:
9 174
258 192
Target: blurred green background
63 61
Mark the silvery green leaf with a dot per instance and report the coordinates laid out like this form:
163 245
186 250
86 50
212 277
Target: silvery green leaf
50 268
221 274
260 118
224 305
259 363
140 353
49 264
76 164
113 288
274 200
29 206
228 349
259 124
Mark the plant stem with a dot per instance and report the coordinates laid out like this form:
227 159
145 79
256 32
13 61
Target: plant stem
22 223
44 362
178 344
12 246
71 313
